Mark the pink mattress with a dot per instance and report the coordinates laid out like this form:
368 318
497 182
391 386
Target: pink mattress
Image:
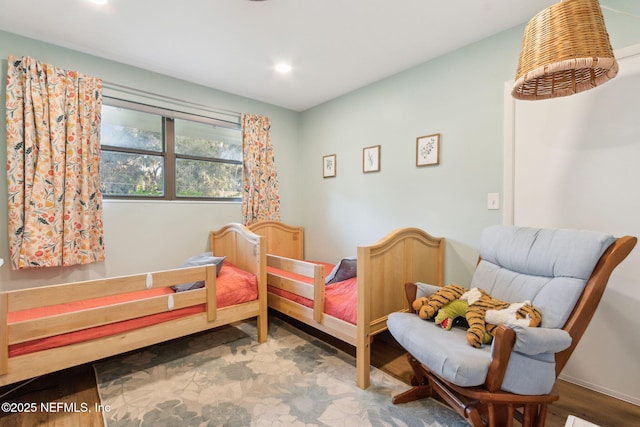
233 286
341 298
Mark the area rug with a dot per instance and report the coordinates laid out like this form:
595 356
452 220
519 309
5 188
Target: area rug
225 378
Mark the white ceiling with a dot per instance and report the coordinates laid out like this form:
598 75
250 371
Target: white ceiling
334 46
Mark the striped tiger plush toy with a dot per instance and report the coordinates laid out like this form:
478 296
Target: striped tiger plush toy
486 313
428 307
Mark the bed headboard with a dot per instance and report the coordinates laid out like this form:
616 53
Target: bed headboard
282 239
243 248
404 255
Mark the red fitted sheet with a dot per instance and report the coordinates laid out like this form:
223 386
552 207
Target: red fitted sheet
341 298
233 286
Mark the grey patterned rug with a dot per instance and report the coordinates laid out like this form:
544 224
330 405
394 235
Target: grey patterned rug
225 378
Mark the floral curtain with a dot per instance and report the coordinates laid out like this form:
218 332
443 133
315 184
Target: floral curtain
261 194
53 159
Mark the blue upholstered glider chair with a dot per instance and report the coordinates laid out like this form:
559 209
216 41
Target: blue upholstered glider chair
563 273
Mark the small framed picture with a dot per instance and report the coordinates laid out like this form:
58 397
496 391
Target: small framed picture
428 150
371 159
329 166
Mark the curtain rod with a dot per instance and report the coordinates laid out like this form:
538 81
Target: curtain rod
135 91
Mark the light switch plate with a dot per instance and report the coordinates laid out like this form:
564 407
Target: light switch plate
493 201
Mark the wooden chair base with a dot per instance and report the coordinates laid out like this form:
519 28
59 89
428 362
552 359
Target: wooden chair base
477 406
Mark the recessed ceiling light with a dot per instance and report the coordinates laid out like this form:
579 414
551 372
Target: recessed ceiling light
283 68
99 1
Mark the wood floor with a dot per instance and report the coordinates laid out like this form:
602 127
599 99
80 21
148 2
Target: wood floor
73 399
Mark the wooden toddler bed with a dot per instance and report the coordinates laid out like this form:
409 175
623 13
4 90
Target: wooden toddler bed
297 287
50 328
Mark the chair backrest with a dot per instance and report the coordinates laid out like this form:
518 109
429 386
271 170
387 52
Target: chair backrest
562 272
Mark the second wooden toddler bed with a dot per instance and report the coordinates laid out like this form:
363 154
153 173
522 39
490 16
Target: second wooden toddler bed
50 328
355 309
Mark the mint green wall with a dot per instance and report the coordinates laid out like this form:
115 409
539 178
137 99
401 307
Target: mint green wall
460 96
147 236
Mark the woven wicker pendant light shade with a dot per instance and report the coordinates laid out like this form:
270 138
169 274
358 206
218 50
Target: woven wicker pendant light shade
565 50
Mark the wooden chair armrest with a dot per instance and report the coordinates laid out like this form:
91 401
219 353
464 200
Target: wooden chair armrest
410 290
503 342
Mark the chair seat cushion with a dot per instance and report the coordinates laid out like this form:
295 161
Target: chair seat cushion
445 353
448 355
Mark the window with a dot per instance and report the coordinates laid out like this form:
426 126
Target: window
153 153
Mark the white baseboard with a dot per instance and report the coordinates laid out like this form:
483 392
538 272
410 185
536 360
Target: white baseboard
612 393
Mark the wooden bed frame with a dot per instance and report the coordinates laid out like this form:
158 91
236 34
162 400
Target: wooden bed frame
402 256
241 247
